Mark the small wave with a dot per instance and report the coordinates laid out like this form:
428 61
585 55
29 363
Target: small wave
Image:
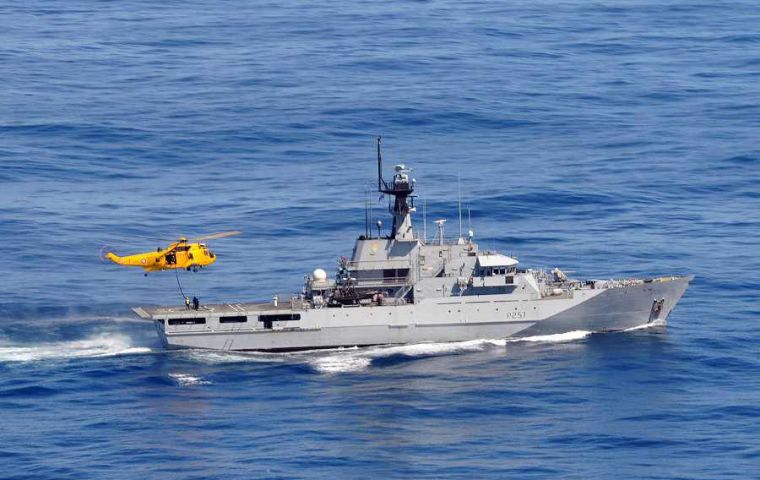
103 345
30 391
186 380
554 338
351 360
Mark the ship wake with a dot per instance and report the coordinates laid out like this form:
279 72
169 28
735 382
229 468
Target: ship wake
353 359
553 338
98 345
357 359
214 357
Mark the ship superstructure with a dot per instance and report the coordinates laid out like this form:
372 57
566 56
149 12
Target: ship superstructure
401 288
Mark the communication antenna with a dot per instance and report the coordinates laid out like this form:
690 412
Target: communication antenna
380 182
366 213
371 215
424 219
459 191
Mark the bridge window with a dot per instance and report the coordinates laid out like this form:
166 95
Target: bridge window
395 273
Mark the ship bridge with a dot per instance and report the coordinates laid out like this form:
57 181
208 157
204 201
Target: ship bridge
489 264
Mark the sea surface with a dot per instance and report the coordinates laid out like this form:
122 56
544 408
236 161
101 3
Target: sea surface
609 138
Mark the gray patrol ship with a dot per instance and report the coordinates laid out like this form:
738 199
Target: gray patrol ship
402 288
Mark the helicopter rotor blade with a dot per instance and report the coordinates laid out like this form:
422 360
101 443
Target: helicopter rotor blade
217 235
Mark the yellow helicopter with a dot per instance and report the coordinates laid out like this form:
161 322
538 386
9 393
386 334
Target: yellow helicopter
182 254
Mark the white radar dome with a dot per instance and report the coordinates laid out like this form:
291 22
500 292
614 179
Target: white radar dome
319 275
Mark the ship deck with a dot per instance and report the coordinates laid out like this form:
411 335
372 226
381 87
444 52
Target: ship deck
150 312
223 309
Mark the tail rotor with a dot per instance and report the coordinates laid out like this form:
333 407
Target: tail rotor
104 251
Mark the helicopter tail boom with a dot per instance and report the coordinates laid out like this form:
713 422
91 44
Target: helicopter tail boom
114 258
139 260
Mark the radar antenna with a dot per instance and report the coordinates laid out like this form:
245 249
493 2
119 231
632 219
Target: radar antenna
401 188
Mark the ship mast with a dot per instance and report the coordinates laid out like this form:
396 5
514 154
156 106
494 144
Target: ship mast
401 188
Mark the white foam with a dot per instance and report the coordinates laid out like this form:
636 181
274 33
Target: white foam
186 380
217 357
554 338
656 323
102 345
418 349
340 364
351 360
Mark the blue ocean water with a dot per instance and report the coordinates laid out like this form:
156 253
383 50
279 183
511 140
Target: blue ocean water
608 138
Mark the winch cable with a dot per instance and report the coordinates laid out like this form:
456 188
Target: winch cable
176 274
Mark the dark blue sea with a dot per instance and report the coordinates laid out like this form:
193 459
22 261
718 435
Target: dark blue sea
609 138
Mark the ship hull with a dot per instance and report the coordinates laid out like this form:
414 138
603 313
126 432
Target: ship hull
615 310
456 319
